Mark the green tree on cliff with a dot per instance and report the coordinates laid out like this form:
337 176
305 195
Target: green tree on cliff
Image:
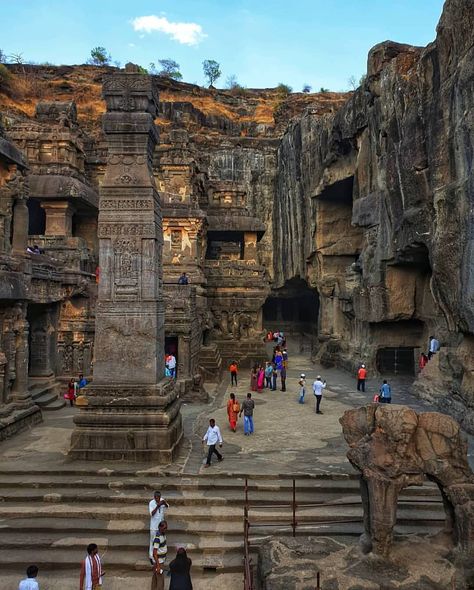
212 71
99 57
169 69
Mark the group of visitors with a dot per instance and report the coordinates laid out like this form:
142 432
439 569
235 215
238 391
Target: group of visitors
73 389
35 249
384 394
278 337
235 410
180 567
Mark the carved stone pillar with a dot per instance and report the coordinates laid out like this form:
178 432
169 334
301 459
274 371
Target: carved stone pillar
131 414
19 393
20 226
58 218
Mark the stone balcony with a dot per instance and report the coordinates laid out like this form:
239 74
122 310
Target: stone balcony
70 252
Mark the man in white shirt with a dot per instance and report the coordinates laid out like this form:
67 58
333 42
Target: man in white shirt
30 583
172 365
434 347
318 387
212 437
156 508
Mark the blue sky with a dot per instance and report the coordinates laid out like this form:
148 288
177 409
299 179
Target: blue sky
261 42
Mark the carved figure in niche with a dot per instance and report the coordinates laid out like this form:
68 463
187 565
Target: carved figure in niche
176 239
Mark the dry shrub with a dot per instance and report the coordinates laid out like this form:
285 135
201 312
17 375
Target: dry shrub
5 78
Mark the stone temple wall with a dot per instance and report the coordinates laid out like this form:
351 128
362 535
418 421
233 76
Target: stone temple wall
364 197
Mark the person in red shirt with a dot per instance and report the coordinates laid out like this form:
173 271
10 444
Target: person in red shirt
233 373
361 377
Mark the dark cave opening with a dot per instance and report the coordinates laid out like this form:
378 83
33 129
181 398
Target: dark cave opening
293 308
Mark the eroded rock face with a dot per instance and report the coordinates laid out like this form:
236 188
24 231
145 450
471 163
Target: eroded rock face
374 203
394 447
417 562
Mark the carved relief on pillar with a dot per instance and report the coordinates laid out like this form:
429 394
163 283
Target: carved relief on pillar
126 268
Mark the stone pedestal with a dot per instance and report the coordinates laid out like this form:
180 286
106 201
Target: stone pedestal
132 412
132 423
58 218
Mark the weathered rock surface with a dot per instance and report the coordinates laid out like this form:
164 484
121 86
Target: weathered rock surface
373 206
423 563
394 447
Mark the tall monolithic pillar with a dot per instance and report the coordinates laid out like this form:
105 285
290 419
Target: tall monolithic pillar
133 413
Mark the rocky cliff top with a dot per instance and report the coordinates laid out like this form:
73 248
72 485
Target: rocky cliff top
240 111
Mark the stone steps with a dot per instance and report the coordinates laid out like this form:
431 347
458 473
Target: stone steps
123 580
210 360
45 394
54 515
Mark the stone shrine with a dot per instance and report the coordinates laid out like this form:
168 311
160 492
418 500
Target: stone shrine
132 412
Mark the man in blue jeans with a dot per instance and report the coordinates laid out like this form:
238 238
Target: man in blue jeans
247 408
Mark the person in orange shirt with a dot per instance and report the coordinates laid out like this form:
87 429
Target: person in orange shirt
233 373
361 377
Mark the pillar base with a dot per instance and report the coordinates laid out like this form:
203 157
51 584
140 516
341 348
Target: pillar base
130 423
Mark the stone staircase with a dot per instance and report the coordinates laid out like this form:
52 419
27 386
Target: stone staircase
48 518
46 393
211 362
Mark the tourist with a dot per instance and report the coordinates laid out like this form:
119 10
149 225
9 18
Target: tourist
156 508
385 393
91 569
284 354
283 378
71 392
318 387
422 362
233 409
82 381
278 359
212 437
269 336
268 374
30 583
180 570
160 550
172 365
247 408
254 378
302 384
433 347
274 377
361 377
34 250
183 279
260 379
233 373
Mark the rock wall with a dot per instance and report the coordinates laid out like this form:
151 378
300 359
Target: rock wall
373 207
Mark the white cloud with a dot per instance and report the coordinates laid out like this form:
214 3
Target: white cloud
131 44
185 33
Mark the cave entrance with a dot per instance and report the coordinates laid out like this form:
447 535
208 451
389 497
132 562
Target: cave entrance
396 361
294 308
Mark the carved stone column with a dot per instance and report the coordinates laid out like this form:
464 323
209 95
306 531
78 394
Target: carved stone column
19 393
20 226
133 413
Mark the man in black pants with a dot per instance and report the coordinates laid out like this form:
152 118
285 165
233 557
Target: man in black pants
212 437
